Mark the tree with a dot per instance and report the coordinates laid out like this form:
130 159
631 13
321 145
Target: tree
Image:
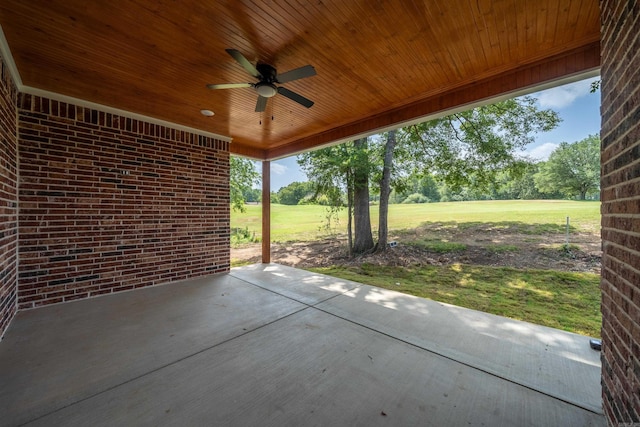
350 168
415 198
423 184
243 174
429 188
521 187
293 193
331 172
274 198
252 195
462 150
385 190
363 238
572 169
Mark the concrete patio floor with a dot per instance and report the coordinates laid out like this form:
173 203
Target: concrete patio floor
272 345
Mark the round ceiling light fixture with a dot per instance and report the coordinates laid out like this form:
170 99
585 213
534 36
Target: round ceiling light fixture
266 89
207 113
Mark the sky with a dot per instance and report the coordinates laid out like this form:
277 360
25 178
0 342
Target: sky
578 108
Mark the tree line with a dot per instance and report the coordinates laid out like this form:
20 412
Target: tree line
471 155
572 172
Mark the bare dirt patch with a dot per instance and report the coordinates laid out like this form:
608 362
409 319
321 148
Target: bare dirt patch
483 245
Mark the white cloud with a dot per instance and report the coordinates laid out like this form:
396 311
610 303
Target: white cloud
278 169
542 152
563 96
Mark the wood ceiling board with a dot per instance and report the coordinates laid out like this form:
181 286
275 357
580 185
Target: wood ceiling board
373 58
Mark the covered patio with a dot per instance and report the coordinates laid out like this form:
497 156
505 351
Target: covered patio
271 345
114 177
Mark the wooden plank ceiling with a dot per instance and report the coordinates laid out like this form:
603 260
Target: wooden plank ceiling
378 63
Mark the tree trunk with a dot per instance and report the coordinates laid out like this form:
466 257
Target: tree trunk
363 241
385 191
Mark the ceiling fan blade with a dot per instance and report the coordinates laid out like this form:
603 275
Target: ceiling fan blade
295 97
229 85
261 105
298 73
244 62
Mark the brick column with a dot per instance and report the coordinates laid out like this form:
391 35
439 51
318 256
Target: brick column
620 282
8 199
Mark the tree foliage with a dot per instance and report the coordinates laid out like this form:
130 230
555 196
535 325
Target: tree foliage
294 193
521 187
469 148
416 198
333 171
414 185
243 174
572 169
328 170
252 195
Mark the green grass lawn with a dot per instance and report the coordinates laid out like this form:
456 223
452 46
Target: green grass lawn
304 223
562 300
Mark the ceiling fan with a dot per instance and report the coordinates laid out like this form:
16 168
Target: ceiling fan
268 77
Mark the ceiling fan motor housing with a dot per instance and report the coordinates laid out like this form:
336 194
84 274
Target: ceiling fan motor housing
267 72
266 85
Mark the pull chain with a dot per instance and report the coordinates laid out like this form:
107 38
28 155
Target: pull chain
262 113
272 102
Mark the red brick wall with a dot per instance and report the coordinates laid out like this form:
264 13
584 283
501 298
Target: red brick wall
620 282
108 203
8 199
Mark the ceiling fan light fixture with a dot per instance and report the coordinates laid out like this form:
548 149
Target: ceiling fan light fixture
266 89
